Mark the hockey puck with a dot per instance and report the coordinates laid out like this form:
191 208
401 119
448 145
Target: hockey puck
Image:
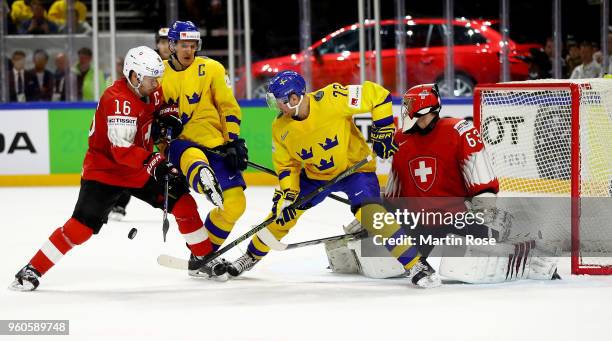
132 233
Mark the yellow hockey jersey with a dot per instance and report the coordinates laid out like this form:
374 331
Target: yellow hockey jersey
327 142
209 111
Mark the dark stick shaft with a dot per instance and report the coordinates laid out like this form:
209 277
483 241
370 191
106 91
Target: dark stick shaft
272 172
357 235
270 220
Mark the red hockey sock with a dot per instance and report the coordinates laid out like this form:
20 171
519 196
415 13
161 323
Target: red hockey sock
60 242
190 225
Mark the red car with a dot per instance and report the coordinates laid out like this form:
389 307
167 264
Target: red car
335 58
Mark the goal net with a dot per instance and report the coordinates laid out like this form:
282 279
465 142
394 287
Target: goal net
550 143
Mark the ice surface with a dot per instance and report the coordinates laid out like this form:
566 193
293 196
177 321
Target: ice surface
112 287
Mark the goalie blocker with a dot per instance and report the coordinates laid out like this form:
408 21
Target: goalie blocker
507 261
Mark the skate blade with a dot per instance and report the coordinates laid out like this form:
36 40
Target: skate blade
26 286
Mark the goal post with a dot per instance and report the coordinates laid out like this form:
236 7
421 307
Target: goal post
554 138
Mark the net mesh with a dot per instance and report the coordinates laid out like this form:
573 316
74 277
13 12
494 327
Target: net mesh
527 131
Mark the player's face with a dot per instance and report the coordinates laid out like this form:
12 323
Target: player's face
185 51
149 84
164 49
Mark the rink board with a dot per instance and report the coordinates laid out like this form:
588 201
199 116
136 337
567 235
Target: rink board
43 144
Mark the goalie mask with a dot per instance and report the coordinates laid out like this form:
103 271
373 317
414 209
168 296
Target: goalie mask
419 101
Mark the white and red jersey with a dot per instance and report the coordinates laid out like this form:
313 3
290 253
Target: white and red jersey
449 161
120 137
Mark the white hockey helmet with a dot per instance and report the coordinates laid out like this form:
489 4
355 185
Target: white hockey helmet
144 61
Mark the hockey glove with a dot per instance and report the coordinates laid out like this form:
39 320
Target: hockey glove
166 117
382 141
158 167
236 154
280 208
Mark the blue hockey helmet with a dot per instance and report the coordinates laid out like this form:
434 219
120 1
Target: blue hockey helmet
184 30
283 85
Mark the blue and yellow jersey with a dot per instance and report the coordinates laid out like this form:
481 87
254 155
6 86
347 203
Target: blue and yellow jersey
209 111
327 142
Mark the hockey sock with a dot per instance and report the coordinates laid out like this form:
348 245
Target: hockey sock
62 240
190 225
220 222
405 253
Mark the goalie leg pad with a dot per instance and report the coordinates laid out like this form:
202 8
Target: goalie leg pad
379 263
341 259
505 262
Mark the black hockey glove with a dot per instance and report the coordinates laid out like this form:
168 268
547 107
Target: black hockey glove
166 118
158 167
236 154
382 141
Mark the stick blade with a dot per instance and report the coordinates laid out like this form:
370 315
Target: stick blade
172 262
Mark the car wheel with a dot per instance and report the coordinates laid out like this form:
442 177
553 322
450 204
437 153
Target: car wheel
260 88
463 86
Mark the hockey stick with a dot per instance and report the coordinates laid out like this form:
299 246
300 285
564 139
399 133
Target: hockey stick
266 236
272 172
166 260
166 223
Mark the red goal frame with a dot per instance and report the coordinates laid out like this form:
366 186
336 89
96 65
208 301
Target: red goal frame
577 267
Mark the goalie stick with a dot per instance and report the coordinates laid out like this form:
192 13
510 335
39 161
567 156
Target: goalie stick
272 172
266 236
178 263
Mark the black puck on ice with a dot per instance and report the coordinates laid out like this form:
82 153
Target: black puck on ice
132 233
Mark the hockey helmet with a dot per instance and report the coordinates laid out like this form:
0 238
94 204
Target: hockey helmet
144 61
417 102
184 30
283 85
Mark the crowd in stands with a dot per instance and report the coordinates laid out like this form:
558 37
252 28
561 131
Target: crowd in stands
582 60
40 83
45 17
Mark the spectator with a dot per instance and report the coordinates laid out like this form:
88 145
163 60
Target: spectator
161 40
81 27
57 12
59 78
38 24
609 53
540 66
118 69
549 49
43 77
589 67
21 83
85 76
10 25
572 60
21 10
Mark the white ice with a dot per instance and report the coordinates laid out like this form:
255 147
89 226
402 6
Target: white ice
112 287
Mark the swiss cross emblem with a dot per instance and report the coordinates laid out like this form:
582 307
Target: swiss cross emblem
423 94
423 171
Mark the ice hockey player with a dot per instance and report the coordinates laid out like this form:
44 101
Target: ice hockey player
211 118
120 159
445 157
315 139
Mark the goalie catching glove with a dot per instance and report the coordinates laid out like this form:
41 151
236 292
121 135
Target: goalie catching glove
382 141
